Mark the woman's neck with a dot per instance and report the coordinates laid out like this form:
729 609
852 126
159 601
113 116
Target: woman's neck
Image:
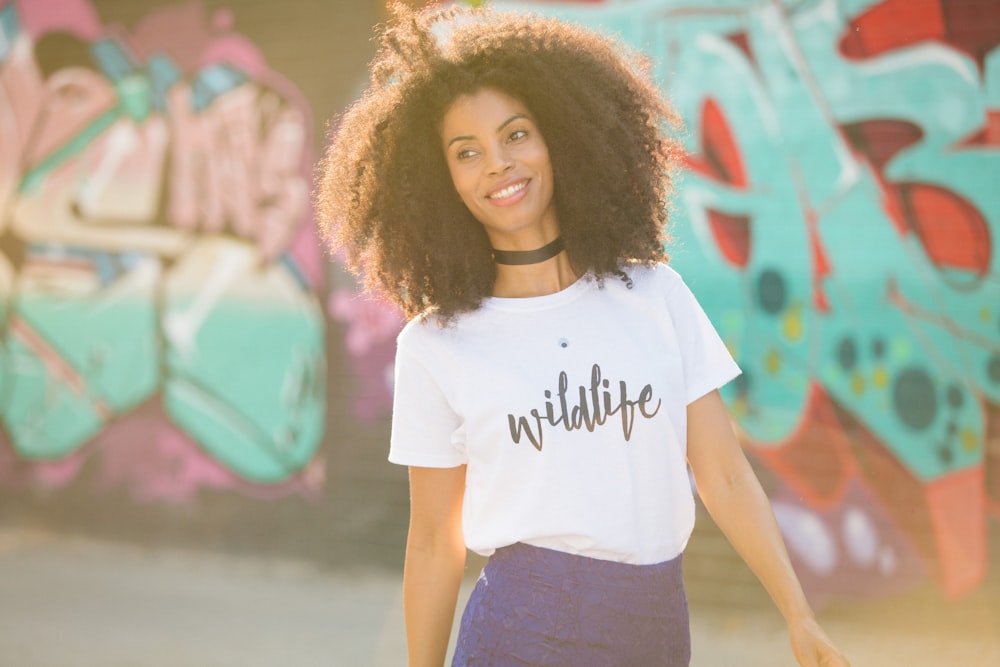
548 277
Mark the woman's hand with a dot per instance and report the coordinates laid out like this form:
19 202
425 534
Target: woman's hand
812 647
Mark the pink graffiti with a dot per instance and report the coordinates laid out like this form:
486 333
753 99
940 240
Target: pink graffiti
222 169
81 168
193 40
77 17
372 326
150 457
15 472
236 166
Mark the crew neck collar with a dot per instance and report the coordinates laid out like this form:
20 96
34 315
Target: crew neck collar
543 302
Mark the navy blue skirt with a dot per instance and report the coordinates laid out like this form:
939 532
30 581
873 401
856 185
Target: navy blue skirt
535 606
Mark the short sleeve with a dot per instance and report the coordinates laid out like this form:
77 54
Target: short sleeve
424 425
707 362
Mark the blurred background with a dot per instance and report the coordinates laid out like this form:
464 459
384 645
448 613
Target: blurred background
194 397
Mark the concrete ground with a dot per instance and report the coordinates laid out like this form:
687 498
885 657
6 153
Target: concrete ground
72 602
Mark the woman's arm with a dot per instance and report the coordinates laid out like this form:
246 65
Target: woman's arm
435 560
733 496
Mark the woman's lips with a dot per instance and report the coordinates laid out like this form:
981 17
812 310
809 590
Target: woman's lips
509 194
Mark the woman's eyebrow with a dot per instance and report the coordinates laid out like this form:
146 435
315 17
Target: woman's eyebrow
469 137
511 120
463 137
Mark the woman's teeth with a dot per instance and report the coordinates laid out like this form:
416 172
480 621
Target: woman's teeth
509 190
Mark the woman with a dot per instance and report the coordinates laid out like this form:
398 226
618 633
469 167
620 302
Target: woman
504 180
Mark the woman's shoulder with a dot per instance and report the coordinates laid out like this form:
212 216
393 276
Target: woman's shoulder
428 330
658 275
422 327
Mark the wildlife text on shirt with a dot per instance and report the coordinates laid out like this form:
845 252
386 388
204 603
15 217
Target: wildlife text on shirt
596 403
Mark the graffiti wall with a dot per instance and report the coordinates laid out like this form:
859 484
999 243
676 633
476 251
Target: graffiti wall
838 217
168 322
159 275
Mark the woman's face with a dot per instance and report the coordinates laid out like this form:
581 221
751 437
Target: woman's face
500 167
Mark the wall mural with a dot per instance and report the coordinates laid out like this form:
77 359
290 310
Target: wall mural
161 310
838 218
158 268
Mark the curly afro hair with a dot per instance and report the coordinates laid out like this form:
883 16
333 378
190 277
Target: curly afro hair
385 194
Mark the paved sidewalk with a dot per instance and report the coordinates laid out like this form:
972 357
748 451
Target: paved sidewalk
71 602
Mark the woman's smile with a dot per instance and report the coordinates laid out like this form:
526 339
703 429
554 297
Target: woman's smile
509 194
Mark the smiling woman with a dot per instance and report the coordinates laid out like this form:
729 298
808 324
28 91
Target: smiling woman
571 95
504 181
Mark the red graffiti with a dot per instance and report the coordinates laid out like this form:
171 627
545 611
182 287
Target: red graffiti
952 231
966 25
720 161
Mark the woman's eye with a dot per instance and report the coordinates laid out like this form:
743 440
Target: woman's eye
465 153
517 134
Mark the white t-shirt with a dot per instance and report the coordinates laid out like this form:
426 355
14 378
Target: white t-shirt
569 411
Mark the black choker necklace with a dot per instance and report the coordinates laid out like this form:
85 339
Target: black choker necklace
521 257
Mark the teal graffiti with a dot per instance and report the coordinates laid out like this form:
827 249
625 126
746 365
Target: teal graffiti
852 283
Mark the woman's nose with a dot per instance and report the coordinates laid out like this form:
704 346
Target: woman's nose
500 161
